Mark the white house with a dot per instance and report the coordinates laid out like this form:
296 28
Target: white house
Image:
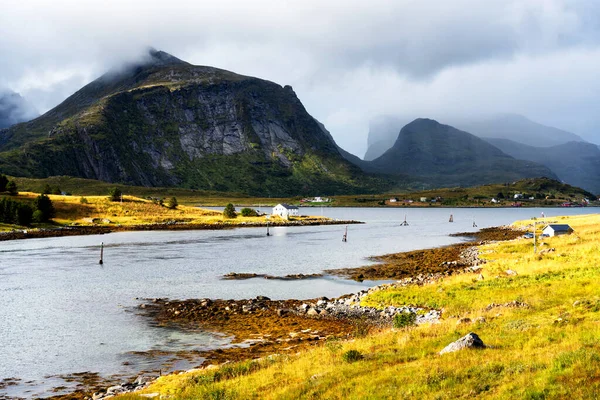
285 210
494 200
557 229
518 196
423 199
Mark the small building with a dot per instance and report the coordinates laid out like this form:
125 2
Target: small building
285 210
518 196
423 199
494 200
557 229
393 200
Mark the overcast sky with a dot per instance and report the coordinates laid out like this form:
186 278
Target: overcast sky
347 60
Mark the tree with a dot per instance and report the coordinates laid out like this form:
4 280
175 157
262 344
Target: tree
500 195
229 211
11 188
172 203
3 183
56 190
115 194
46 208
47 189
24 215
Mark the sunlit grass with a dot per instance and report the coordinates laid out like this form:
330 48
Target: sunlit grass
550 349
90 210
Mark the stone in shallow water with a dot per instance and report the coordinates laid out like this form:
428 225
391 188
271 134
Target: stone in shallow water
470 341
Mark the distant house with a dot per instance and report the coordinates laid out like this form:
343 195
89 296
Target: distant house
285 210
494 201
393 200
423 199
557 229
518 196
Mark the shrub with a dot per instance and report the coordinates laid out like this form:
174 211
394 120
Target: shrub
115 194
229 211
248 212
38 216
56 190
172 203
11 188
3 183
405 319
44 204
352 356
24 215
47 189
83 200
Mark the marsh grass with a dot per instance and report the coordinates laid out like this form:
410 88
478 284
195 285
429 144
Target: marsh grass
548 350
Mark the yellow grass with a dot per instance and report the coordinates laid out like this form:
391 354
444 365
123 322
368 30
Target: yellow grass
549 350
99 210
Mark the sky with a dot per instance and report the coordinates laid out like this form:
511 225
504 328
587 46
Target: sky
347 60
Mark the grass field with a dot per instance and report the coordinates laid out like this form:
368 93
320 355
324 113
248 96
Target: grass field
546 348
99 210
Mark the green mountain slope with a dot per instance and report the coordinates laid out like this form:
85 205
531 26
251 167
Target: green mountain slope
168 123
446 156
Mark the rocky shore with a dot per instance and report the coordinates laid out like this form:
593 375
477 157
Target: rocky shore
261 327
169 226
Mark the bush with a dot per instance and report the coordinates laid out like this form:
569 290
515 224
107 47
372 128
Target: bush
83 200
248 212
38 216
11 188
3 183
45 206
56 190
405 319
115 194
24 215
352 356
172 203
229 211
47 189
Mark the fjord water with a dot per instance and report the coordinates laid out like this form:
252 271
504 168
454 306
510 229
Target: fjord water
63 313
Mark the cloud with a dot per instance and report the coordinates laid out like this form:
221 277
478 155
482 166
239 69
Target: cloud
347 60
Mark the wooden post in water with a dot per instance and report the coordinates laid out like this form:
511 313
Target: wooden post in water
268 234
345 237
101 253
451 218
404 223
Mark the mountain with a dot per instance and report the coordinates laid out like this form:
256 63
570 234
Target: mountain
517 128
383 131
445 156
165 122
14 109
577 163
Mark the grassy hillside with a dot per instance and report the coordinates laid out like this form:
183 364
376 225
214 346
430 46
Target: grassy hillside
542 326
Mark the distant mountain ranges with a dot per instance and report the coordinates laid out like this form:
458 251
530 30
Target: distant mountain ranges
567 155
165 122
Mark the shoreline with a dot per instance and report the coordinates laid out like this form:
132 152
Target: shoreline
261 327
83 230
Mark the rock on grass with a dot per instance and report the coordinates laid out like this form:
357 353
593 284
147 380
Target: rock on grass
470 341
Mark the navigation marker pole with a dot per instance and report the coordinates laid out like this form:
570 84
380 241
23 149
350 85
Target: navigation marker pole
101 254
345 237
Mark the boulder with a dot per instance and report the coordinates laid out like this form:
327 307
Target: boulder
470 341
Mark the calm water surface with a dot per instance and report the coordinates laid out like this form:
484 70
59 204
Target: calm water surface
61 312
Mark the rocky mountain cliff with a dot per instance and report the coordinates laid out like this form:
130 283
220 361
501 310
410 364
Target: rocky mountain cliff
164 122
577 163
445 156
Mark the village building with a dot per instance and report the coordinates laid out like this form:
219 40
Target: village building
285 210
557 229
